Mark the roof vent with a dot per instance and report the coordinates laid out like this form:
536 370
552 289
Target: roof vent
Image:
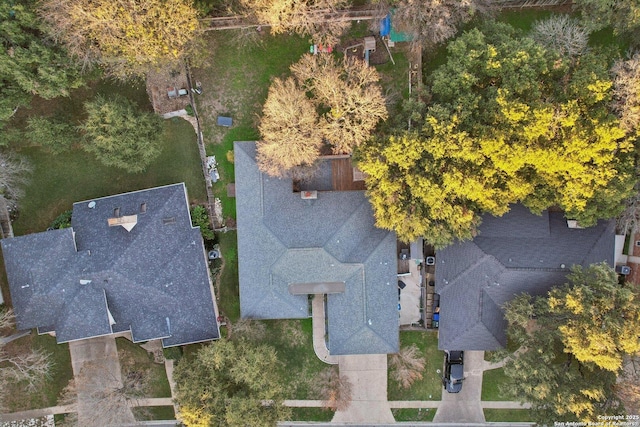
85 281
307 195
169 220
143 207
92 204
572 223
127 221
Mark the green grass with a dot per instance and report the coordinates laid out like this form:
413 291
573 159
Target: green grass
60 180
17 398
149 413
229 297
513 415
301 362
135 358
311 414
414 414
236 84
430 386
523 19
491 382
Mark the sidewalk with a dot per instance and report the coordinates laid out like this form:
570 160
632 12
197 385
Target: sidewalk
318 322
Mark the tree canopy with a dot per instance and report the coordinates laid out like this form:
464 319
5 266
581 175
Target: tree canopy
30 63
571 345
127 37
432 22
508 122
231 383
622 15
302 17
121 135
326 103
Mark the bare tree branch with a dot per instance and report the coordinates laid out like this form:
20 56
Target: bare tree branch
14 173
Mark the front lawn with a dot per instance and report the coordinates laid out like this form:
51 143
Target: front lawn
504 415
19 399
492 382
430 386
134 358
414 414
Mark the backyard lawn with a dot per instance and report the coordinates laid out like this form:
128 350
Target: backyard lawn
62 179
430 386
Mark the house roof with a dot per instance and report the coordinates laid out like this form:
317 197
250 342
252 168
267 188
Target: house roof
518 252
94 279
285 240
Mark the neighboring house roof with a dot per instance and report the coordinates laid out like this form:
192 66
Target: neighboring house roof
518 252
94 279
284 240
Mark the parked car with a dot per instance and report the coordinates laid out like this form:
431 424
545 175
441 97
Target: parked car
453 371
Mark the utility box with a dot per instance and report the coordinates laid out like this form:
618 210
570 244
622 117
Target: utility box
623 269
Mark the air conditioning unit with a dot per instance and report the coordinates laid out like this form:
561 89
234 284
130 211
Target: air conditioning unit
623 269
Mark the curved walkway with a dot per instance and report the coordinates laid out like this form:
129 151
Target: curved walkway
318 322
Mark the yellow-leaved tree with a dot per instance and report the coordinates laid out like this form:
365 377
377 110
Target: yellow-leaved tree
127 37
509 122
303 17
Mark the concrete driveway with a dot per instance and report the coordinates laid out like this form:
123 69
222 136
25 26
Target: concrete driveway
368 377
95 363
465 407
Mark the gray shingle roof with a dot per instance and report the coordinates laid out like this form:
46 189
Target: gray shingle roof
519 252
283 239
152 280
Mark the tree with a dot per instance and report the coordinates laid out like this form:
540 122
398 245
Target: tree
303 17
121 135
333 388
622 15
232 383
128 37
600 318
14 174
347 97
200 218
503 127
433 22
102 395
571 344
406 365
28 368
291 136
31 64
325 104
54 135
562 34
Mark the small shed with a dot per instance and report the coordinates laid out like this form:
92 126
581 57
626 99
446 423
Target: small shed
370 43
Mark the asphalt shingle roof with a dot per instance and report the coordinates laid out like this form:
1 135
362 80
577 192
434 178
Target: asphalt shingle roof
283 239
519 252
152 280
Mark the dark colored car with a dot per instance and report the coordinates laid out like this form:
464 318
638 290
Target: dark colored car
453 371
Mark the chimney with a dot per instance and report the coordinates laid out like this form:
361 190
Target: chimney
306 195
127 221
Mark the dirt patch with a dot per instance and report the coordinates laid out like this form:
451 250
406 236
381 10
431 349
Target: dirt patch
168 89
355 49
